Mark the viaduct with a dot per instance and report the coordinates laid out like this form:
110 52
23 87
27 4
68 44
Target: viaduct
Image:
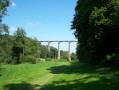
58 56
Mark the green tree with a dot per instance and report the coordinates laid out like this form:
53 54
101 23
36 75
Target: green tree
53 52
18 45
44 52
4 37
73 56
6 44
32 47
3 11
96 28
64 54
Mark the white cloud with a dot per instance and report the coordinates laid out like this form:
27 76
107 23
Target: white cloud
13 4
33 23
12 29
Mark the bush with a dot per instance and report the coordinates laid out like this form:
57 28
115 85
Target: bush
48 59
29 59
40 59
62 60
8 60
73 56
14 60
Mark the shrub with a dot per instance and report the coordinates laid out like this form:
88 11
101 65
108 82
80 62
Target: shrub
29 59
40 59
48 59
14 60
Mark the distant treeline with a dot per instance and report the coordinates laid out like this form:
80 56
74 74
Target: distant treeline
19 48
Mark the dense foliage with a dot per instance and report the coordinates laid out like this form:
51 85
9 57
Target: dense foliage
3 11
96 24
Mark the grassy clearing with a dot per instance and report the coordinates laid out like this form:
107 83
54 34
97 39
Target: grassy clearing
83 77
58 76
23 73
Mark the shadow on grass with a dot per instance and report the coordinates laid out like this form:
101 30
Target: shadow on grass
1 69
96 79
20 86
78 68
78 84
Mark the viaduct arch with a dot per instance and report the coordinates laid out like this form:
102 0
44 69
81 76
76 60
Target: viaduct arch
58 56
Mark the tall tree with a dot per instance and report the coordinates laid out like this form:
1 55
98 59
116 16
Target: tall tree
19 44
96 28
4 39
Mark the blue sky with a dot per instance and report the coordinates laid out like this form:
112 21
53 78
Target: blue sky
43 19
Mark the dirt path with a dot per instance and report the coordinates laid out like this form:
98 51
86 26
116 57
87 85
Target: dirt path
42 80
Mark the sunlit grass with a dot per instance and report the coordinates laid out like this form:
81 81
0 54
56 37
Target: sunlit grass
58 76
23 72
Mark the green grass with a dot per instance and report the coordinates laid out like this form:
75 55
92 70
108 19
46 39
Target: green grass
79 76
58 76
24 74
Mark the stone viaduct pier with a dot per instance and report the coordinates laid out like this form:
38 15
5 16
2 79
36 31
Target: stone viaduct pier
58 56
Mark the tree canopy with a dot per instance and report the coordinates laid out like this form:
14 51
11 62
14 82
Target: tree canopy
96 25
3 11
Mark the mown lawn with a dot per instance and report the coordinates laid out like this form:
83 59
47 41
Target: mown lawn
58 76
